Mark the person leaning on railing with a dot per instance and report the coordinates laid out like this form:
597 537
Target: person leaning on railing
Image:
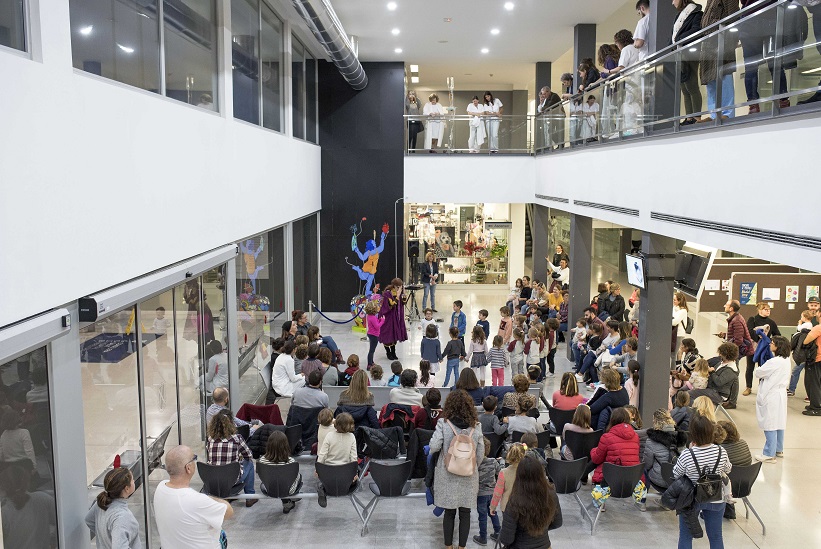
552 130
436 126
688 22
413 108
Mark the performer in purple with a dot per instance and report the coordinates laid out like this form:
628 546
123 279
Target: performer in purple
393 310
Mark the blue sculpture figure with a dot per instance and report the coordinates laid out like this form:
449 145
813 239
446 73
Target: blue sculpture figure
369 258
250 255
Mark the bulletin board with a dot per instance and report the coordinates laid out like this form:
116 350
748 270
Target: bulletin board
755 287
713 300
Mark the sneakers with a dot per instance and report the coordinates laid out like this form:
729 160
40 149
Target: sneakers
779 454
765 459
322 497
784 103
579 378
480 541
747 392
287 507
790 393
551 374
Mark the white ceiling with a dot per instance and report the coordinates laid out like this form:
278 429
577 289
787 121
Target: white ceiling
535 30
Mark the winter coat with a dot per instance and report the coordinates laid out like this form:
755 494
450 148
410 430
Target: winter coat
771 401
762 350
608 399
680 496
619 446
682 417
721 381
257 441
661 447
454 491
738 333
307 418
714 11
615 306
419 438
386 443
363 415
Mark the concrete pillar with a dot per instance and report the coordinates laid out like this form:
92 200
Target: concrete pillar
584 45
581 261
541 233
662 16
655 315
544 73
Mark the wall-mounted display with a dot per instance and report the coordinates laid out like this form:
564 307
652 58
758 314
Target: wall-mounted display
792 294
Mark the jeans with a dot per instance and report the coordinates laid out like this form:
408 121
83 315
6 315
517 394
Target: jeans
577 357
523 309
452 366
543 368
373 342
588 363
328 341
464 525
796 373
727 95
247 476
774 442
429 288
713 514
483 506
497 376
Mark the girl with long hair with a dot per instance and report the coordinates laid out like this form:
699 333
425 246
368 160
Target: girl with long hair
533 508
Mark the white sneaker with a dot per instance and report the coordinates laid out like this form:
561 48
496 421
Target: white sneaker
779 454
551 374
765 459
579 377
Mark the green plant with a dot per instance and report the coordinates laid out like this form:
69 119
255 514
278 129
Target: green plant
499 251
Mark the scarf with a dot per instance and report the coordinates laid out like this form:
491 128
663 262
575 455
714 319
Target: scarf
682 17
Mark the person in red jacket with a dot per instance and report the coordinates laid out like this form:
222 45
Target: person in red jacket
618 445
737 331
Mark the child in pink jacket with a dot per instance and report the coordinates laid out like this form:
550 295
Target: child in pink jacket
374 324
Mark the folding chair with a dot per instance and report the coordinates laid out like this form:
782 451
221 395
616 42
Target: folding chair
742 480
390 480
621 480
566 477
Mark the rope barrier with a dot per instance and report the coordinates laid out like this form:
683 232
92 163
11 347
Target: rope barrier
338 321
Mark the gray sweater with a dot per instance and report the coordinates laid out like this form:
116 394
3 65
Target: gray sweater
488 473
114 528
491 424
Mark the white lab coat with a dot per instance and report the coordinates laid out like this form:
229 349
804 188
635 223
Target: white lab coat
492 123
771 401
284 380
436 127
477 126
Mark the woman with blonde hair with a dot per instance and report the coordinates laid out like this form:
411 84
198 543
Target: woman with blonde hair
706 407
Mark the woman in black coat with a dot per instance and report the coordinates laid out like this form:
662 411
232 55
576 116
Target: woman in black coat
688 23
533 509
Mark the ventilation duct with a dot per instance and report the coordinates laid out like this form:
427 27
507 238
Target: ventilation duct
328 30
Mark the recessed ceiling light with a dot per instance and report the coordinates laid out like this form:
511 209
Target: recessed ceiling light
395 32
448 20
126 49
734 29
391 6
397 50
85 31
494 31
414 68
485 50
509 6
414 79
693 49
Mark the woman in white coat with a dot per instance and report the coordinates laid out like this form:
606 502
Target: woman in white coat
680 311
284 380
493 109
771 401
477 125
436 124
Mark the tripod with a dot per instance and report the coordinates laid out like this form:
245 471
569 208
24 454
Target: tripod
413 306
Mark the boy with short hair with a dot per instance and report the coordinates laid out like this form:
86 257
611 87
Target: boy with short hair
396 368
489 420
488 474
454 351
458 320
483 322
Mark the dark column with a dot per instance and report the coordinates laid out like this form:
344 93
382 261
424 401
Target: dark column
655 313
662 16
581 258
584 44
541 233
544 73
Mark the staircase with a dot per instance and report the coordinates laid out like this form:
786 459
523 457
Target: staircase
529 238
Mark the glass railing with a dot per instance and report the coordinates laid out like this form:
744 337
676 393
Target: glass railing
457 134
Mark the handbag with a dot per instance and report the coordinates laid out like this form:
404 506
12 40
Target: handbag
688 325
710 485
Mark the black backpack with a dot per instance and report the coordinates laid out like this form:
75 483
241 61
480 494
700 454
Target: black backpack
710 484
803 354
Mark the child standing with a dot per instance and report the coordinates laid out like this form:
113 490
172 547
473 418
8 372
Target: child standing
458 320
632 383
484 323
507 476
533 347
506 325
553 327
516 348
454 352
498 362
431 348
374 324
396 369
488 474
477 352
427 321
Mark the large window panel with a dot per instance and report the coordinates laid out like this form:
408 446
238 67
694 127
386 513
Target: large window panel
298 87
271 69
310 98
245 59
25 424
13 24
306 262
117 40
191 52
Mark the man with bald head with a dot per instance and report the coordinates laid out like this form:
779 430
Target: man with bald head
187 519
220 396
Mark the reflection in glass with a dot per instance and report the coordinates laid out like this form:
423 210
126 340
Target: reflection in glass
26 461
191 52
310 99
117 40
245 59
271 69
298 87
13 24
305 262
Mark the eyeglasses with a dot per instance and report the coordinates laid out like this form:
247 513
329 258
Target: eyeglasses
192 460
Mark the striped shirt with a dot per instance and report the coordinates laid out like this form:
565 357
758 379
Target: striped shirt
706 456
498 358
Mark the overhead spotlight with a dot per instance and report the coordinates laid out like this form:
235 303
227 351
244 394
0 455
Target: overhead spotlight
693 49
509 6
414 79
395 32
126 49
494 32
397 50
392 6
485 50
414 68
85 31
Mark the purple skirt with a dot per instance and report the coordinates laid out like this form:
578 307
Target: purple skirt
393 330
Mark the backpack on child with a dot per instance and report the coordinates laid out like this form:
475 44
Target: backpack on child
460 458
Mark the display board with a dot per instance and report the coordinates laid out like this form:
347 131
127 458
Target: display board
786 293
716 282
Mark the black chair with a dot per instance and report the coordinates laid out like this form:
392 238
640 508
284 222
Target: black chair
580 444
508 411
220 480
742 480
294 435
244 431
516 436
544 439
390 480
566 477
337 481
497 443
558 419
621 480
276 480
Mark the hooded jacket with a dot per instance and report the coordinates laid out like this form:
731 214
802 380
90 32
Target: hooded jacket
619 446
661 447
615 306
723 378
363 415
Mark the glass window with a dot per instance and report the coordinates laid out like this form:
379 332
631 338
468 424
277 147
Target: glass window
26 453
306 262
191 52
310 100
245 59
118 40
298 87
13 24
271 69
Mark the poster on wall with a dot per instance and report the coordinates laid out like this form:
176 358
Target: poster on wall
749 293
812 291
770 294
792 294
712 285
725 285
444 238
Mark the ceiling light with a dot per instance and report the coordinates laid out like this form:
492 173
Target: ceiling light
392 6
395 32
792 7
448 20
126 49
397 50
85 31
734 29
414 79
414 68
811 71
509 6
494 31
693 49
485 50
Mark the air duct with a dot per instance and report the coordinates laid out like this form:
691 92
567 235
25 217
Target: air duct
328 30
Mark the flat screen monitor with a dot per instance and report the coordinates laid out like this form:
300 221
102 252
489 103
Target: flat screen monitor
636 271
690 271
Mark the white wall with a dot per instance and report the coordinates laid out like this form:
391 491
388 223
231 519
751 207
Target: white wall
100 183
757 176
469 178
